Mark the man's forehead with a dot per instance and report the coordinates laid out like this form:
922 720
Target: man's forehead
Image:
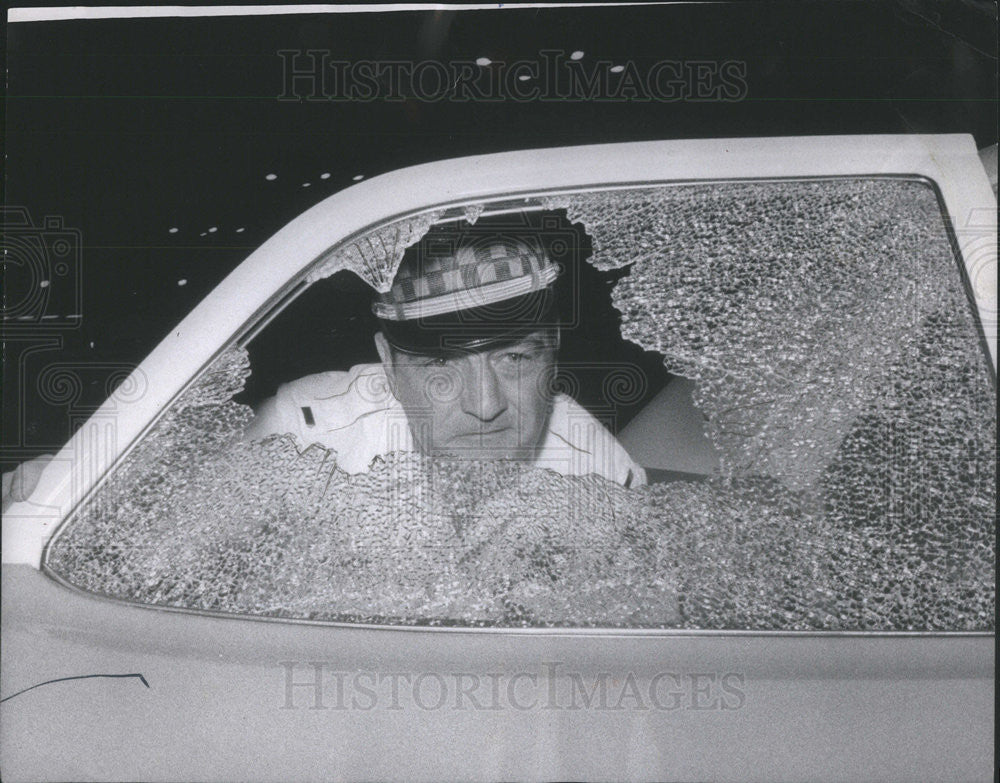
542 339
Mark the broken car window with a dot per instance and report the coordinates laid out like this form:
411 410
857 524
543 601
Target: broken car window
837 363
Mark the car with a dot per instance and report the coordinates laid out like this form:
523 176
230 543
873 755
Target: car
804 590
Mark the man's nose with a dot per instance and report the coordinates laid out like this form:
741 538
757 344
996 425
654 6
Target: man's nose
482 394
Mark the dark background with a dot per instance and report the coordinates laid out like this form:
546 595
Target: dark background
122 129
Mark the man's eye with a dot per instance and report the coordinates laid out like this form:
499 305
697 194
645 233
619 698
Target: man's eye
437 362
516 357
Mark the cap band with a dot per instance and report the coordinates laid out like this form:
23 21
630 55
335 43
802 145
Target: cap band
455 301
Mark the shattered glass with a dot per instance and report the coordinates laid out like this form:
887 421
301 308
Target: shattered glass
375 256
836 360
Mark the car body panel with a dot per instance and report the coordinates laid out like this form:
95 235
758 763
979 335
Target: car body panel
839 706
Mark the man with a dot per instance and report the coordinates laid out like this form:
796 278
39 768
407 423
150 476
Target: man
468 339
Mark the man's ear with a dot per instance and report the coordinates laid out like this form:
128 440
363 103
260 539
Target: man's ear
385 354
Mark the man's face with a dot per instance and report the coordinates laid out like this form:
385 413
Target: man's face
487 404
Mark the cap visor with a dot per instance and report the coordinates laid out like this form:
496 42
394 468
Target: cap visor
476 328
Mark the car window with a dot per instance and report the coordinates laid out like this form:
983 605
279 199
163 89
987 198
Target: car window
835 359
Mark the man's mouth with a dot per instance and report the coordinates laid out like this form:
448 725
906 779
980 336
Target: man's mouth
484 433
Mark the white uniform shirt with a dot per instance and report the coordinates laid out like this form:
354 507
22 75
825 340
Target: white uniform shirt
355 414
